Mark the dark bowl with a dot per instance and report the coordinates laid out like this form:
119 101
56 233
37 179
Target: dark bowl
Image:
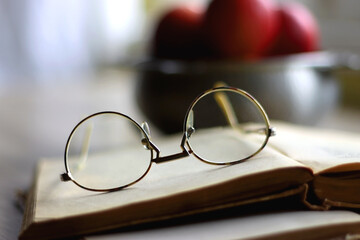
299 88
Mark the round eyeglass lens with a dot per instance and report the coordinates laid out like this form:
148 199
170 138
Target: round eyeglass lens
226 126
105 152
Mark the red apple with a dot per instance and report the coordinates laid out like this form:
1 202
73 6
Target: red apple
240 29
298 30
179 33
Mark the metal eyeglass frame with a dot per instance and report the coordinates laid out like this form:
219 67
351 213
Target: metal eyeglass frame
185 146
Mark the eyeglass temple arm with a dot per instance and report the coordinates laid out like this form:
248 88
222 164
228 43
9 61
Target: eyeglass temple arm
224 103
84 152
85 145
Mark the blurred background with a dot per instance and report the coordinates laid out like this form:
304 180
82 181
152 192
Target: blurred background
53 42
62 60
40 39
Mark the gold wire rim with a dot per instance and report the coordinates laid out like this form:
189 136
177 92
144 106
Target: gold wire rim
68 171
247 96
184 142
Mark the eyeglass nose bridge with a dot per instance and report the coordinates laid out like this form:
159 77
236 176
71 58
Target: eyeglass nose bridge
184 153
148 144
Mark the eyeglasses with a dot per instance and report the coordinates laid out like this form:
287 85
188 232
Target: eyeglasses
109 151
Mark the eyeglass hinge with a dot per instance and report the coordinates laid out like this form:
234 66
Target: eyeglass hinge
65 177
272 132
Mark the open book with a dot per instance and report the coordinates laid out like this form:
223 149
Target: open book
298 161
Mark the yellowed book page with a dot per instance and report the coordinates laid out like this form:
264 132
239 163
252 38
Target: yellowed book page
56 199
320 149
282 225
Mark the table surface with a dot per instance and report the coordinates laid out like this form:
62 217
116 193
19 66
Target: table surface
35 122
